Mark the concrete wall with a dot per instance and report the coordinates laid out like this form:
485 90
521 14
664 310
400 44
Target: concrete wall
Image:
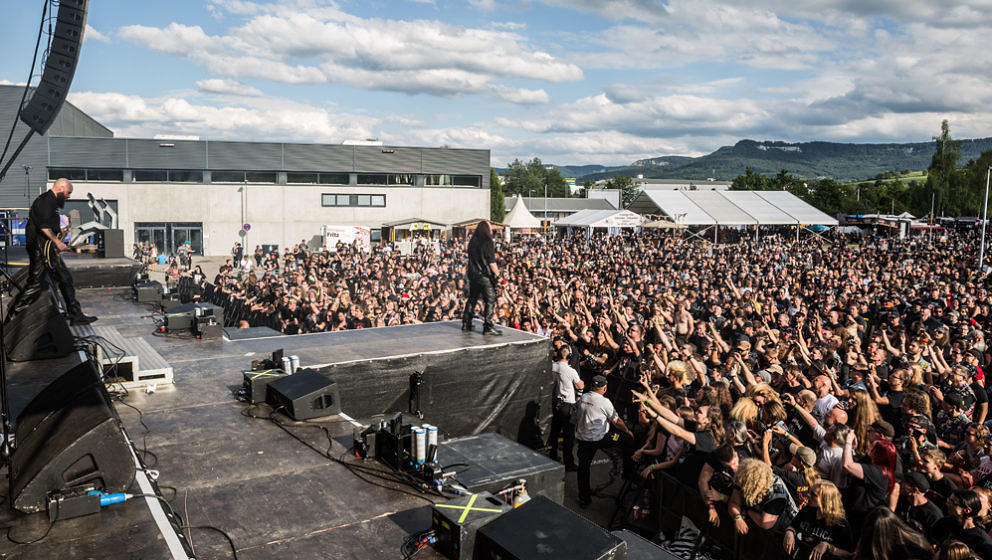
282 214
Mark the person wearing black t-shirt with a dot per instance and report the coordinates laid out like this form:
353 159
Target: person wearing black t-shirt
914 508
962 508
482 272
869 484
821 526
43 240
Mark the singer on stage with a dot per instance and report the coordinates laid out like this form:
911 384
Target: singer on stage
483 273
43 238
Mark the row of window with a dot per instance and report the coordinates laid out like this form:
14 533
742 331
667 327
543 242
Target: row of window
260 177
338 200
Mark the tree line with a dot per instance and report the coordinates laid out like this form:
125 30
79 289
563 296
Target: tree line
948 189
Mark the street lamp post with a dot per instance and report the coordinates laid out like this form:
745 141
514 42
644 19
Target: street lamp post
985 215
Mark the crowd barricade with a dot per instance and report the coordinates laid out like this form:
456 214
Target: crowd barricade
235 310
676 501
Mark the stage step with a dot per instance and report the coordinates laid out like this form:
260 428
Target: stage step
132 359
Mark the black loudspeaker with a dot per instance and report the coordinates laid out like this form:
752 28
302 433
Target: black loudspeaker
67 436
148 292
304 395
639 548
60 66
540 529
456 521
38 332
112 246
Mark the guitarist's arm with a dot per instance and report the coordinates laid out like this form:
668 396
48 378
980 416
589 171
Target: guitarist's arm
58 242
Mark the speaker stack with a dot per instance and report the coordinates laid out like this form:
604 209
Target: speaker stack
69 435
38 332
60 66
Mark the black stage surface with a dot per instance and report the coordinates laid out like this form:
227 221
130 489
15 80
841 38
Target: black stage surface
88 270
274 496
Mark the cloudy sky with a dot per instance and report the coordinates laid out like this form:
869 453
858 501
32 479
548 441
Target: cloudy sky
569 81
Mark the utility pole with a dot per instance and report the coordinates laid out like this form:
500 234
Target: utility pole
985 215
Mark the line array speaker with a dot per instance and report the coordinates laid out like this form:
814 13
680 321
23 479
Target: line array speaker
60 66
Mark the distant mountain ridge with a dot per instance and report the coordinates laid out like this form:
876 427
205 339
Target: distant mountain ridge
811 160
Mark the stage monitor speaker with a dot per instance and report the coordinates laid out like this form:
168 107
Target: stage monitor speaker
68 436
541 529
456 521
148 292
639 548
304 395
60 66
112 243
37 332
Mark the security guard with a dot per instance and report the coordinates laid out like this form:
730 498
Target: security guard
593 431
567 382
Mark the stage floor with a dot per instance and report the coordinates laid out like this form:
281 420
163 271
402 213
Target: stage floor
274 496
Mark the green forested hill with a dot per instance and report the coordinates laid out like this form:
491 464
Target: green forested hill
812 160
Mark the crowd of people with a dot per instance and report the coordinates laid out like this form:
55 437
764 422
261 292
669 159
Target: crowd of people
829 392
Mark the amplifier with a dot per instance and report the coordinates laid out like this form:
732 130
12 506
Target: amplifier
456 521
542 529
256 382
148 292
207 328
170 300
495 462
639 548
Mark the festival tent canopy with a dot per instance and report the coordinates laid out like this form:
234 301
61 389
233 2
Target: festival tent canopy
730 208
520 217
601 219
673 203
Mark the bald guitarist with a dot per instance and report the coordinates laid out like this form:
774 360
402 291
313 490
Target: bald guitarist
43 237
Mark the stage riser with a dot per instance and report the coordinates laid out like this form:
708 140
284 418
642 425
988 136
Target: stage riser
109 276
464 392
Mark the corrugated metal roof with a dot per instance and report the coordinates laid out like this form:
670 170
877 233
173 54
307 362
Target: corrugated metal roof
562 204
724 211
765 213
673 203
797 208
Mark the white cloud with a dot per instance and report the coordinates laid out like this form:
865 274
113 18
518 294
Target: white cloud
227 87
484 5
266 119
295 45
521 96
91 34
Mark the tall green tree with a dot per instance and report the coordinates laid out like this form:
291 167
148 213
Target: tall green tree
749 181
497 204
943 176
525 179
624 184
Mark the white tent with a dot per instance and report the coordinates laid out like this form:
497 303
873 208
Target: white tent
520 217
601 219
730 208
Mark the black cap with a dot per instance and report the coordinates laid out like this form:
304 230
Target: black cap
916 480
598 382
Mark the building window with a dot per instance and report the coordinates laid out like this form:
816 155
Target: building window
301 178
335 179
227 177
437 180
353 200
105 175
405 179
185 176
150 176
372 179
95 175
260 177
466 181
